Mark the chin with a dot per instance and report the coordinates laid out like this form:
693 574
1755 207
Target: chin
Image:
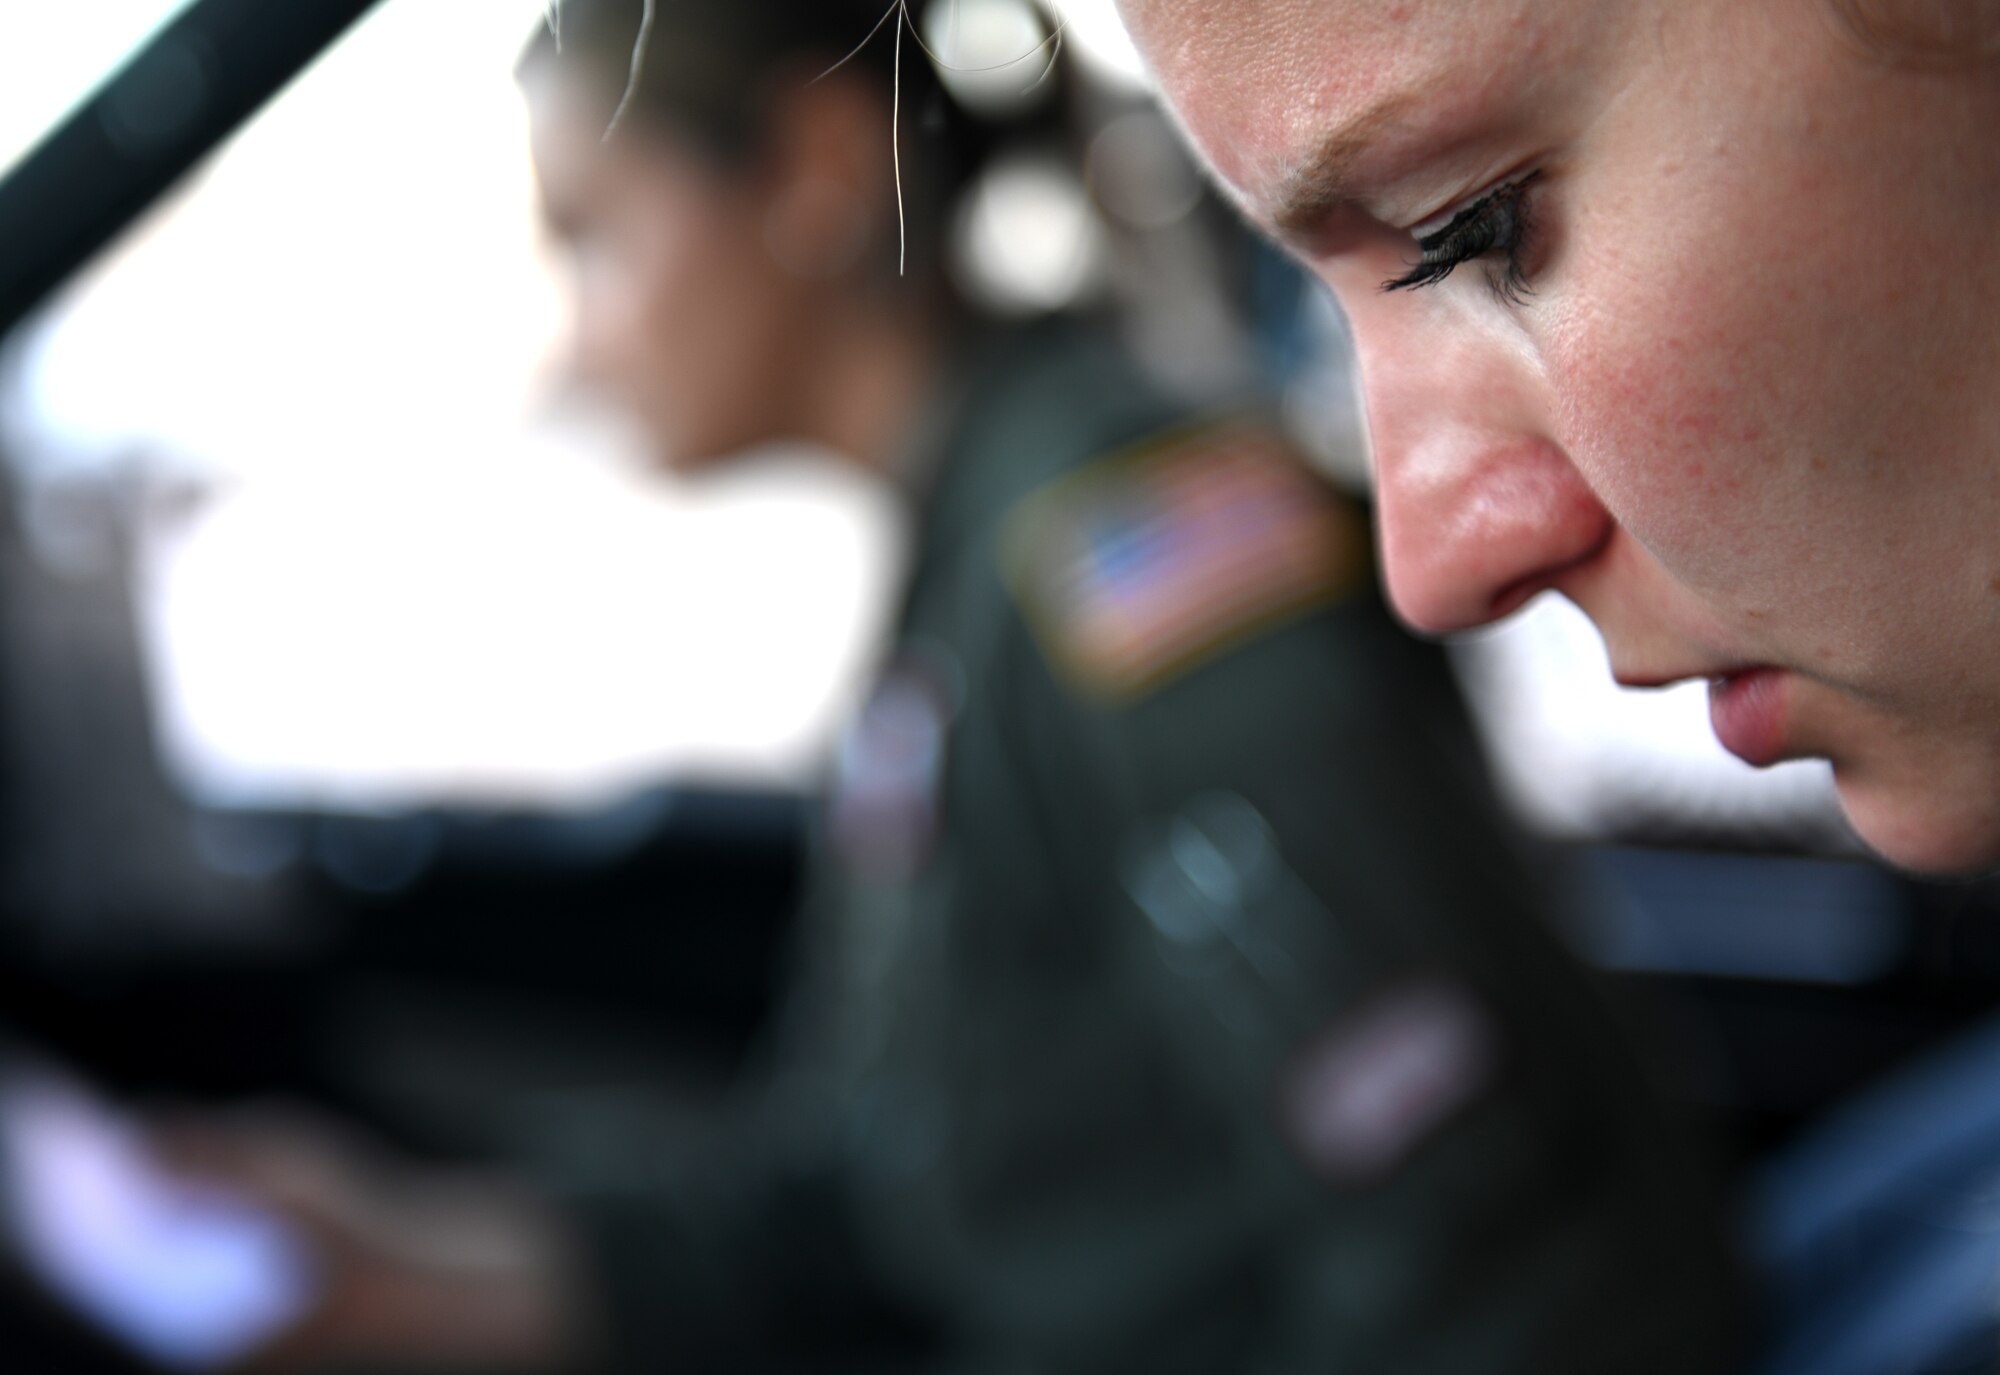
1925 829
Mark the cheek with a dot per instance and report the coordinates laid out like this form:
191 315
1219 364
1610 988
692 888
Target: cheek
1723 325
1659 425
721 320
682 303
1690 399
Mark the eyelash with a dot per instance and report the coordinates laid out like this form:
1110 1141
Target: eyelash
1496 223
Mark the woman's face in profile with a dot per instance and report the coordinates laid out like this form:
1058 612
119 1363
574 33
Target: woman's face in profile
678 314
1698 323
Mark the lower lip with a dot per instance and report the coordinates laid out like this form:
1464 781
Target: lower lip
1748 712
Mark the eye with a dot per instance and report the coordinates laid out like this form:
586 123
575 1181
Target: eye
1494 226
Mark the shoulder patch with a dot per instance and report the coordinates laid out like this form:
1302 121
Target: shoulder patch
1155 559
1373 1087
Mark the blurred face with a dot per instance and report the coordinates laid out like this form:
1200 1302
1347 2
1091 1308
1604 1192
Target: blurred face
680 315
1698 323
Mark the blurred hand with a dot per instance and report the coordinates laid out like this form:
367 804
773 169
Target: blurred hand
419 1265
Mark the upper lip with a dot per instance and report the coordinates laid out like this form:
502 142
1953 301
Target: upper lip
1657 678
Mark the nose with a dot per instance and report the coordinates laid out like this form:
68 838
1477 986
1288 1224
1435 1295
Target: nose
1480 507
588 352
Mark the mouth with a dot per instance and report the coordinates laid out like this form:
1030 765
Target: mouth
1747 708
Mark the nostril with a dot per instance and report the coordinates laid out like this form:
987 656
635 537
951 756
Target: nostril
1516 597
1518 594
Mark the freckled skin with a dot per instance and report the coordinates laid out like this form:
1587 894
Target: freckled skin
1750 414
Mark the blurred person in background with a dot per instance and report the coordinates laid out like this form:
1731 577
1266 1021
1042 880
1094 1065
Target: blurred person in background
1172 997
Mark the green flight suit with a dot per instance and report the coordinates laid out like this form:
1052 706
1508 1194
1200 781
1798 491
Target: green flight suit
1197 1016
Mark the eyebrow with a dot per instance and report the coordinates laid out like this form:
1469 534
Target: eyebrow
1323 181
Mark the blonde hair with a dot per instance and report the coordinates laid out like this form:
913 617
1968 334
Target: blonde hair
1940 33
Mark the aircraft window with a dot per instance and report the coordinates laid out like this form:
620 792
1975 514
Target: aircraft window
379 557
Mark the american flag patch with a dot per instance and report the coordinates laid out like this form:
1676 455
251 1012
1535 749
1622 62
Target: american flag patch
1151 561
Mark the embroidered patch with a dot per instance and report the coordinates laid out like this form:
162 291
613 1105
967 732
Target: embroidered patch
1377 1084
889 770
1153 560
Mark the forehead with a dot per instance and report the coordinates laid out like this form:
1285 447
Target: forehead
1263 85
575 165
565 128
